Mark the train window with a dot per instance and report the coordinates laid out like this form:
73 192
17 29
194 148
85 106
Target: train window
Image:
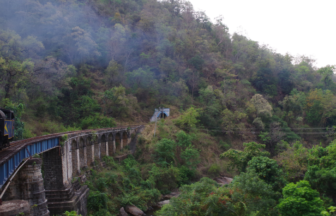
8 115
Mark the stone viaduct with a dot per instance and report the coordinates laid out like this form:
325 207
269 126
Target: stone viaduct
51 184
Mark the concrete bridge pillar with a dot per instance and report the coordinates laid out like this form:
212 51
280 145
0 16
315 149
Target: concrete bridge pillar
63 191
121 141
129 138
103 145
85 156
82 153
110 144
28 185
107 149
114 144
90 151
75 158
33 188
57 170
118 144
96 145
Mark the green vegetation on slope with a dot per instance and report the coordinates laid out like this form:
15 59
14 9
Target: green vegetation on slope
70 65
263 188
83 63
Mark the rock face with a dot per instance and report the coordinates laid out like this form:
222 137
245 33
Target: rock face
123 212
223 180
163 203
133 210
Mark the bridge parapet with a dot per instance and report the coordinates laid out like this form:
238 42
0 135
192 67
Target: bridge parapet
64 156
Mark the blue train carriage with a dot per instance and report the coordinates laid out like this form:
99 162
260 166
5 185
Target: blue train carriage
6 127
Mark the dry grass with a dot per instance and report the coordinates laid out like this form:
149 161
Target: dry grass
38 127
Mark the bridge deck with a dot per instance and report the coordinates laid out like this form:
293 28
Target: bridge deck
11 157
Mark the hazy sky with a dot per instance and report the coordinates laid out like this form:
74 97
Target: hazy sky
297 27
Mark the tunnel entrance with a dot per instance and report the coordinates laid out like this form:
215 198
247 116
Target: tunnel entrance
160 113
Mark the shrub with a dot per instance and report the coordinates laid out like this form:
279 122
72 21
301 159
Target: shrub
164 151
185 175
96 121
72 213
293 161
224 146
239 159
188 119
96 201
184 139
164 179
191 157
214 170
247 195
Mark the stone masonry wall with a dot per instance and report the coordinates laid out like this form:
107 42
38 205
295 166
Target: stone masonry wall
53 173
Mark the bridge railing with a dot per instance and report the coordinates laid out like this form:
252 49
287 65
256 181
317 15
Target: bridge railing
7 169
45 143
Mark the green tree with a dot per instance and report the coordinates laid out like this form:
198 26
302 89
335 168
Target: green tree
246 195
314 114
165 151
268 170
265 81
118 103
321 172
18 110
326 76
191 157
262 107
184 139
14 73
285 82
239 159
233 122
300 199
293 161
188 119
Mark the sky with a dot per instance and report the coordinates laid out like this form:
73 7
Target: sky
297 27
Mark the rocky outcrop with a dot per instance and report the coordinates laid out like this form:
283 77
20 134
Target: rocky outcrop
122 212
135 211
223 180
164 202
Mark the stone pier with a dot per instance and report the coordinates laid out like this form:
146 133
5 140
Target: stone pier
28 185
63 191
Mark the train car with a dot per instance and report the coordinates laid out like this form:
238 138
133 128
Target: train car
6 127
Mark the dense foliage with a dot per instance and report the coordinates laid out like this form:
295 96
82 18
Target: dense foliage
78 64
131 183
77 61
262 189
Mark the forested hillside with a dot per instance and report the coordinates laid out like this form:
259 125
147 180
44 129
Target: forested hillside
78 64
76 61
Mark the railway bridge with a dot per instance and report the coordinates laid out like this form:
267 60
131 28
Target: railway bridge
42 175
